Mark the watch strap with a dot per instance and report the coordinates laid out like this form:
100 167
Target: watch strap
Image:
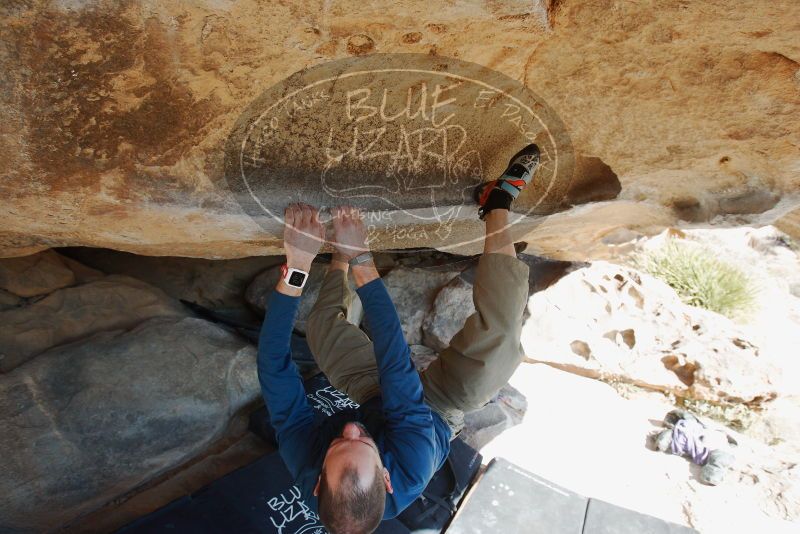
362 258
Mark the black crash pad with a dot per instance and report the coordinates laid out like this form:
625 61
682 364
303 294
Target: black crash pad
258 498
509 499
606 518
261 498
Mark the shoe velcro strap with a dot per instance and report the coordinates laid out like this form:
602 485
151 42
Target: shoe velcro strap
508 188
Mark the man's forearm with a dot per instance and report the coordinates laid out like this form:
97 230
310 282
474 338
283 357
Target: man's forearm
364 274
401 389
281 384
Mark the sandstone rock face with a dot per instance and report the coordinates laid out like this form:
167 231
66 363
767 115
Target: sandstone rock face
790 223
69 314
103 416
632 327
413 292
263 285
115 116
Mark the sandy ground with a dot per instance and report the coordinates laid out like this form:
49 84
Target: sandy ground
582 434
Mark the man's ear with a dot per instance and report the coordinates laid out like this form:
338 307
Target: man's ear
316 488
387 480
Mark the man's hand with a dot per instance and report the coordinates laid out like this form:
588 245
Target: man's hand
303 236
350 240
350 235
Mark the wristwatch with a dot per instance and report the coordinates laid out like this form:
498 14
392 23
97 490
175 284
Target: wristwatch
293 277
364 257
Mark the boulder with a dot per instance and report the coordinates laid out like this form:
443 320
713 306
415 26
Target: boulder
117 114
778 424
766 254
771 261
505 410
790 223
452 306
215 284
617 323
263 285
8 300
413 292
34 275
68 314
103 416
422 356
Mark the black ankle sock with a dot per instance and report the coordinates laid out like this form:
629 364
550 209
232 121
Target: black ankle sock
498 199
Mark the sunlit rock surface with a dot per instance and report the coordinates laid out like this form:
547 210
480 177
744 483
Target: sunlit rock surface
115 117
633 327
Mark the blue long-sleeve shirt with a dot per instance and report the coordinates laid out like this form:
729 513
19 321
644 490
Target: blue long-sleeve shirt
414 441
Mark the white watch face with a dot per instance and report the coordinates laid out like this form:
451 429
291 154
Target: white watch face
296 278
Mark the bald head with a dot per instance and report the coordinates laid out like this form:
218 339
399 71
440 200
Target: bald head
353 484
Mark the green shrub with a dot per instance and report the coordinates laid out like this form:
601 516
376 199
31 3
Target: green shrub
700 279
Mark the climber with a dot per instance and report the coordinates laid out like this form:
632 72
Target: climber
367 464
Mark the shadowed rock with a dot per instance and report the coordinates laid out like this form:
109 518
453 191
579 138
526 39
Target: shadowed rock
102 417
69 314
37 274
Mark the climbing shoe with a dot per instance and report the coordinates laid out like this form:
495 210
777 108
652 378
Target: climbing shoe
498 194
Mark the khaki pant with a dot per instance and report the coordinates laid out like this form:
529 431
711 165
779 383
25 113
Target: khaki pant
481 357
